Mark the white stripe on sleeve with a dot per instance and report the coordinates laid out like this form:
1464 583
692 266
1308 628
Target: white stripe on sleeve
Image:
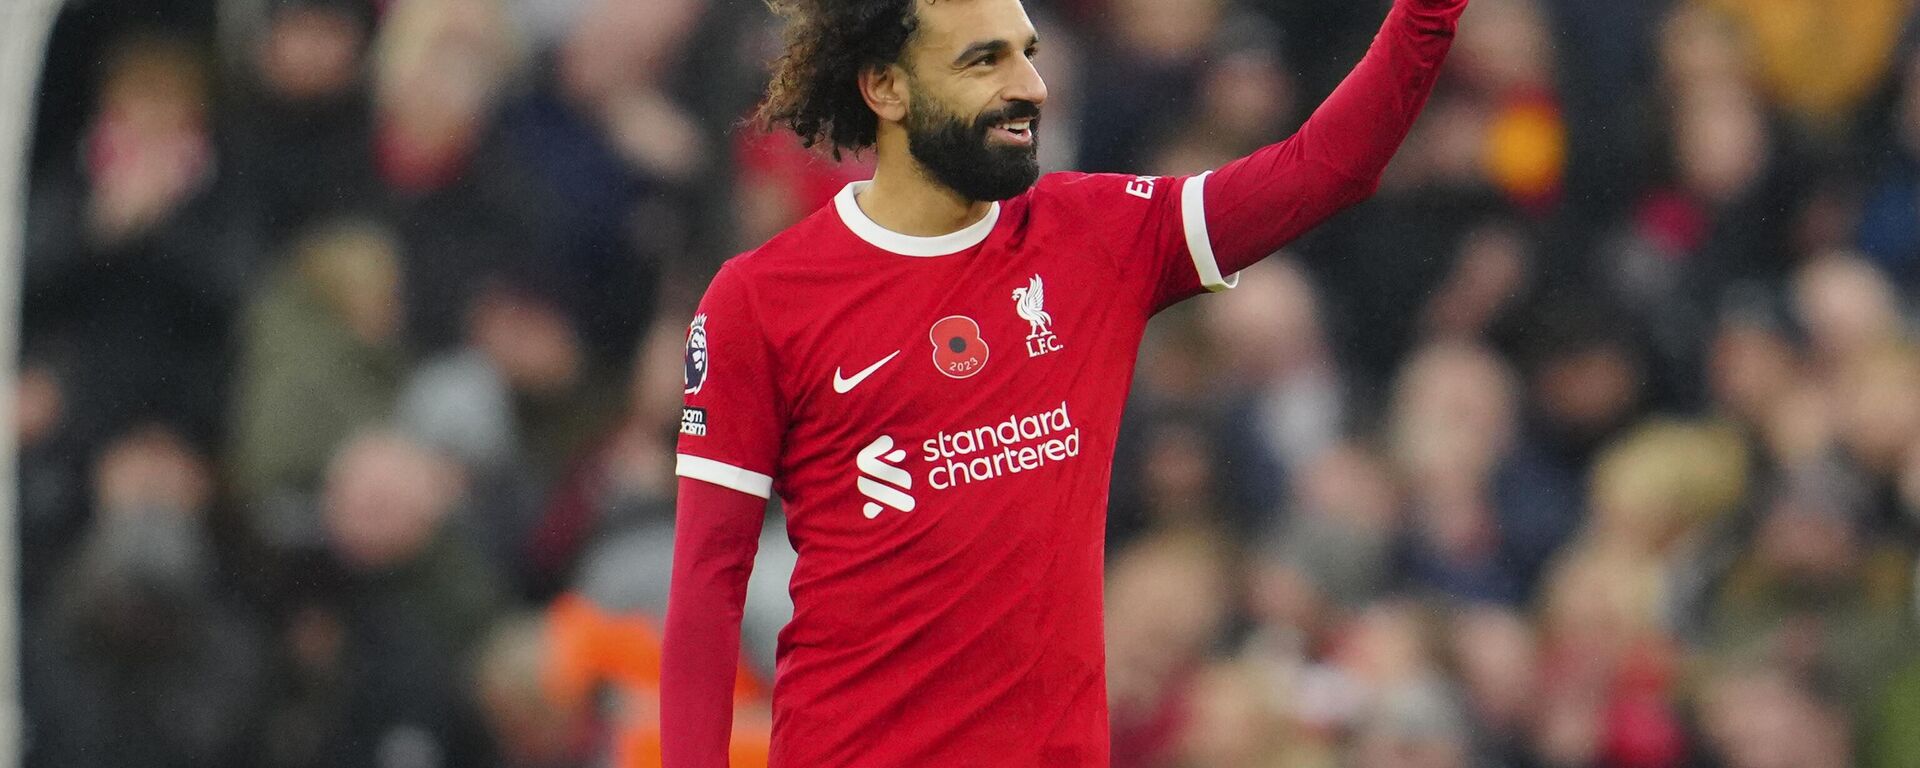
1193 215
724 475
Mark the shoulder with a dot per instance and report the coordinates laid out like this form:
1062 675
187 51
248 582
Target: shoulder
1096 191
1103 205
745 282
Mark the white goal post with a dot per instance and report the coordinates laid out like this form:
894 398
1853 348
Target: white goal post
24 26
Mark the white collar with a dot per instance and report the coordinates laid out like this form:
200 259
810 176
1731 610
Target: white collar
908 245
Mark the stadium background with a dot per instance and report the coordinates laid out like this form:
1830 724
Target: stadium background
350 343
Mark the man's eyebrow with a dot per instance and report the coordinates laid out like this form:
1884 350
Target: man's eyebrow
989 46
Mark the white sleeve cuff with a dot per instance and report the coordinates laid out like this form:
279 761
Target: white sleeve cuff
1193 216
724 475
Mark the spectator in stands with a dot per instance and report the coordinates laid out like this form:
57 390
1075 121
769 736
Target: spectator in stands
135 263
1334 553
1588 379
1282 391
1848 310
418 603
461 200
515 405
1483 519
143 661
302 142
1609 643
1166 601
623 481
320 360
1713 215
1505 64
1813 592
621 156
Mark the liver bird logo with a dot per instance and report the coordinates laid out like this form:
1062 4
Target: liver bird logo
1029 301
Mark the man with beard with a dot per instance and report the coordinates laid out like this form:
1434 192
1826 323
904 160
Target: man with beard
930 373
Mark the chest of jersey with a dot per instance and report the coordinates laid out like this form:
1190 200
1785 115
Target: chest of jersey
920 384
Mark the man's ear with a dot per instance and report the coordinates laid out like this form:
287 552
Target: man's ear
885 89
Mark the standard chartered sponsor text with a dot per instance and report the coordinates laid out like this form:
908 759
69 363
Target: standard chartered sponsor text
1016 444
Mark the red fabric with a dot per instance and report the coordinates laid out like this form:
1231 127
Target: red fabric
1677 224
950 524
716 536
1639 725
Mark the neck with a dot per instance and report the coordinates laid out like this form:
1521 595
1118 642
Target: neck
904 198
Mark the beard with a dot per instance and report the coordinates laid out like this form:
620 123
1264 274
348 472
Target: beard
955 150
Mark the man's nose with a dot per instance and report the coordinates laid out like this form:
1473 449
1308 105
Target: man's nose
1027 84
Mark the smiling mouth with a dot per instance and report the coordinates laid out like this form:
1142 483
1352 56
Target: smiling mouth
1014 131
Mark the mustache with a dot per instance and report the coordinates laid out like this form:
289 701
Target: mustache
1018 110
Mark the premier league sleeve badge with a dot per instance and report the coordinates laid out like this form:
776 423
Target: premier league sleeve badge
696 373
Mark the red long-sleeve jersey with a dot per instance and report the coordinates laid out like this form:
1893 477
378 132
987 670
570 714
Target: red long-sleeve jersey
939 415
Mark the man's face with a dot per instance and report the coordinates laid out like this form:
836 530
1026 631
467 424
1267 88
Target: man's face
975 97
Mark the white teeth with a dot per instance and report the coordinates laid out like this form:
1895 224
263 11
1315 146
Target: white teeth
1019 126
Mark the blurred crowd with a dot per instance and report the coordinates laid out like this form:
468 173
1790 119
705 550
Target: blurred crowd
350 365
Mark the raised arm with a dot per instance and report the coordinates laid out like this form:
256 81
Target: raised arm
716 533
1261 202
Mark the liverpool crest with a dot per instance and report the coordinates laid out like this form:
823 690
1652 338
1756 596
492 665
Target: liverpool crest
1030 302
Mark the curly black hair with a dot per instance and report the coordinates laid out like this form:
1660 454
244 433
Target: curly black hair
815 90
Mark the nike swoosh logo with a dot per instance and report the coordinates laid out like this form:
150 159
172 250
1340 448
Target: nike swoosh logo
844 385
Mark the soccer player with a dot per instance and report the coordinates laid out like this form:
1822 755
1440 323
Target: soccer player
930 373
